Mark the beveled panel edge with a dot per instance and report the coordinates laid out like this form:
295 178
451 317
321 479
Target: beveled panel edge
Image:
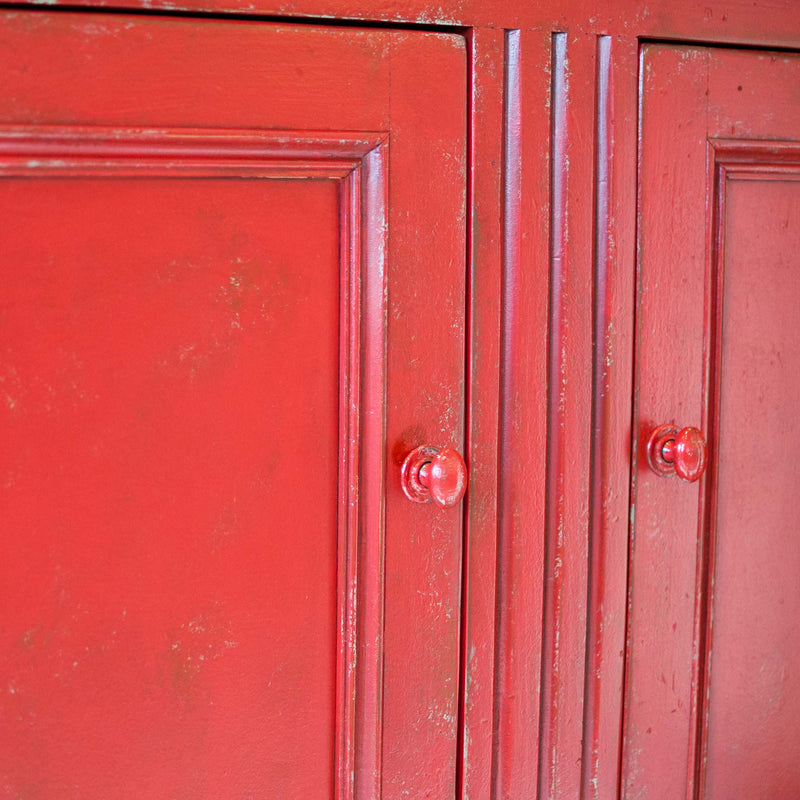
96 150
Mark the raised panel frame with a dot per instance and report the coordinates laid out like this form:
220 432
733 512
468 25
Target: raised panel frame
729 160
358 162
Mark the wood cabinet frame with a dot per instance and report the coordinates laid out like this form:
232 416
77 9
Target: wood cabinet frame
552 273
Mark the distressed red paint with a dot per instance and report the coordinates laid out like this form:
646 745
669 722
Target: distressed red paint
467 251
203 340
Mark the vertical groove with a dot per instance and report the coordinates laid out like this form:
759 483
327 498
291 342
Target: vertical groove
594 617
712 367
509 299
706 539
621 768
555 416
469 201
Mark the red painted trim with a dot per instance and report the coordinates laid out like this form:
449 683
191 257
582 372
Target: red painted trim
508 616
483 343
595 646
766 23
523 396
728 160
55 149
548 747
367 625
570 412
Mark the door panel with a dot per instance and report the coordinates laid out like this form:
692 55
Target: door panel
713 622
151 552
211 296
754 692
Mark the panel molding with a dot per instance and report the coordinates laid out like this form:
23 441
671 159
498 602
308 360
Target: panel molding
74 150
358 161
751 155
729 160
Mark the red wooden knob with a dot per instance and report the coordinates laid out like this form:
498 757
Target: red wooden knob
433 475
676 451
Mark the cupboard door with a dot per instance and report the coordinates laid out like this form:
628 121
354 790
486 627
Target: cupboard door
222 327
713 690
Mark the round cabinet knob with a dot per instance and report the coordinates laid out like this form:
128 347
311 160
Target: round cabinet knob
675 451
433 475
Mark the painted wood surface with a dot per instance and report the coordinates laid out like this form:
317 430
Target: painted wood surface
759 22
544 100
713 631
222 328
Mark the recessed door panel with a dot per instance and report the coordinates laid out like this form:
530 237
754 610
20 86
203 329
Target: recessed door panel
754 688
168 589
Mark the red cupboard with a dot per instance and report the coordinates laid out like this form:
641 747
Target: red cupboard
254 257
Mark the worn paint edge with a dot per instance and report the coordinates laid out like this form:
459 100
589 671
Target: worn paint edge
600 389
559 170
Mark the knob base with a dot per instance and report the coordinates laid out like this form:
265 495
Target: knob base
413 487
655 450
